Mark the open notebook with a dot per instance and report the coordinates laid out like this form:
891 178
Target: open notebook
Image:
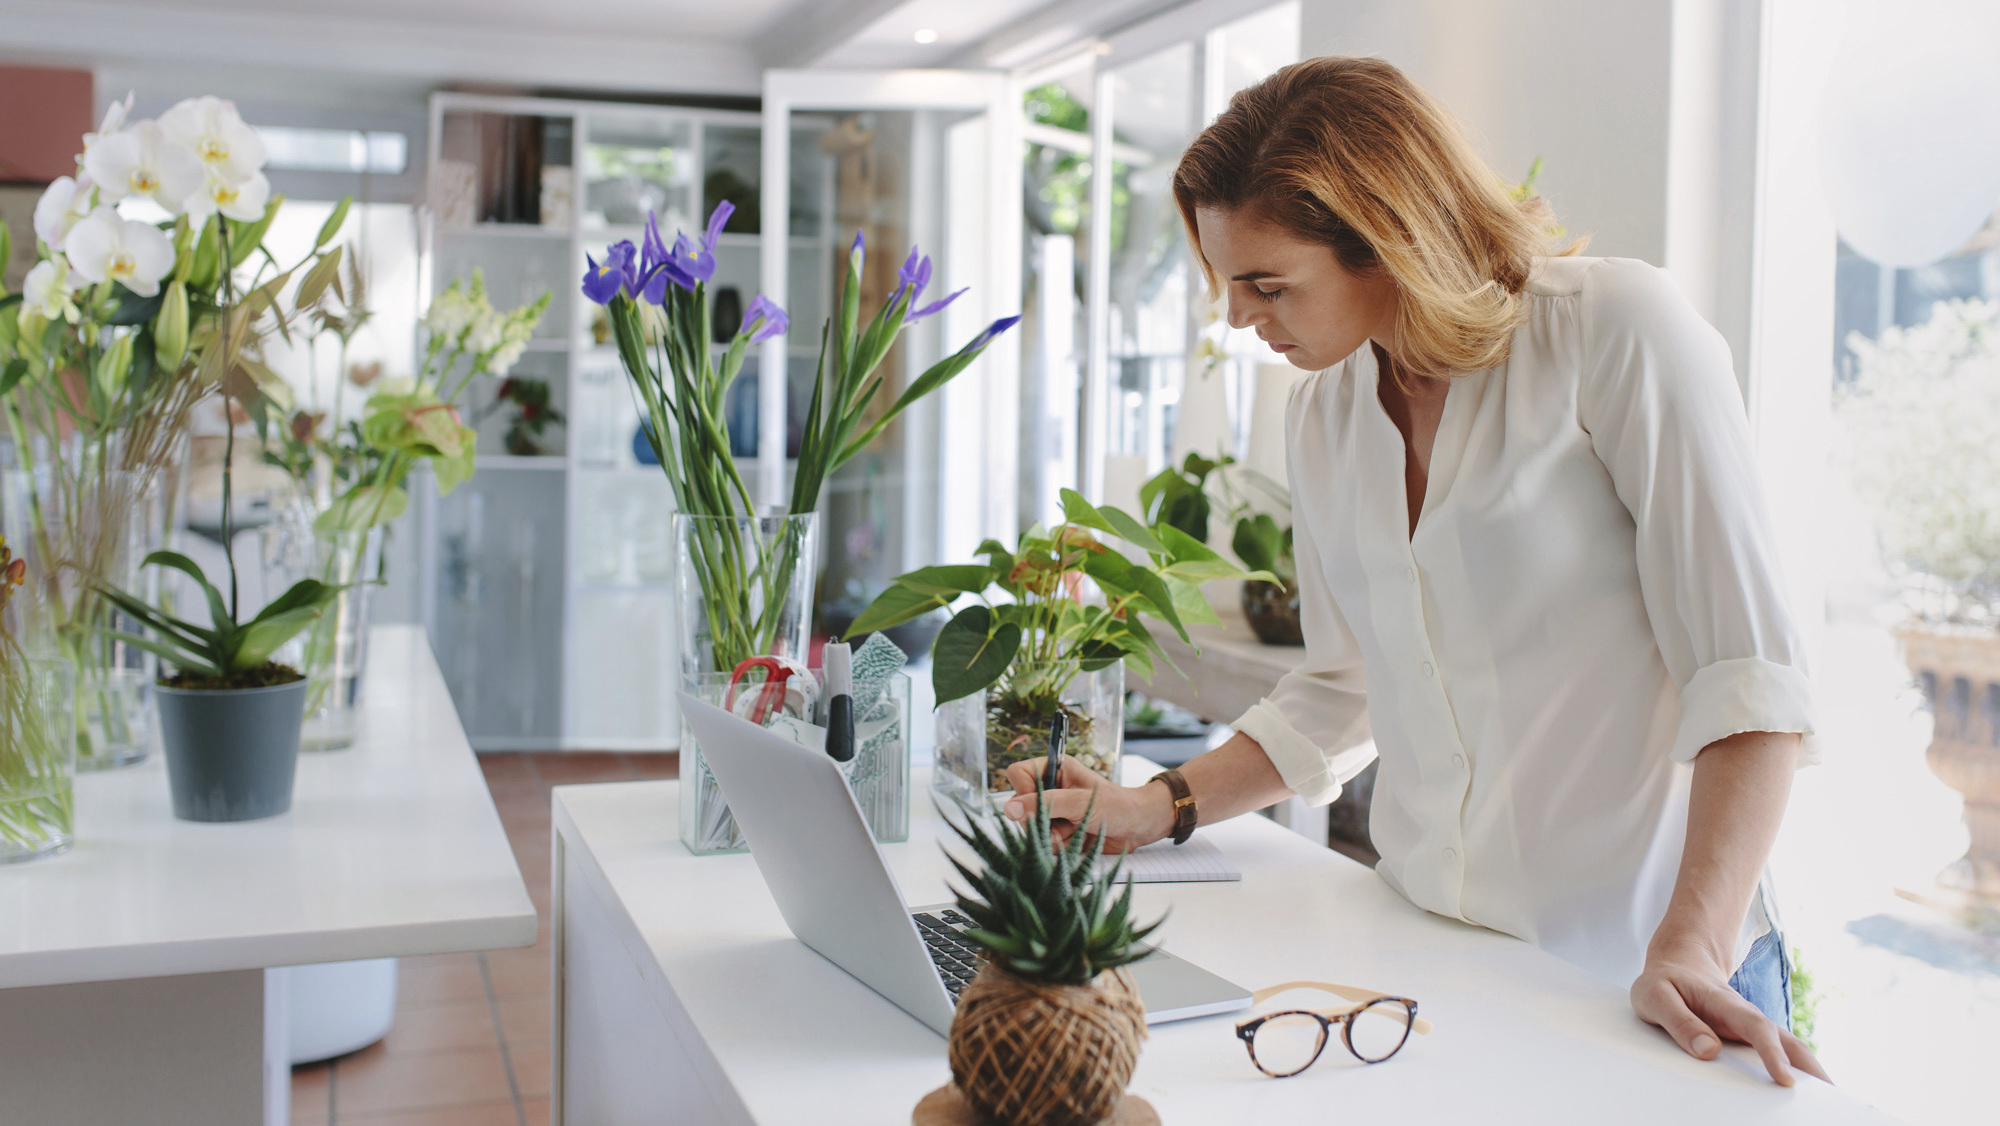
1164 862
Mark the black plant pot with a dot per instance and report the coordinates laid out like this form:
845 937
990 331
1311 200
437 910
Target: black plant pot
1273 612
231 753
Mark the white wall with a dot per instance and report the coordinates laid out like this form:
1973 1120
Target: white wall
1581 83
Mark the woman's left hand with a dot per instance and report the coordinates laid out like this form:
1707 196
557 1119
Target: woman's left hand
1682 991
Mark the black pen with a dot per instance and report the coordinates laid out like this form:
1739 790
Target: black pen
1058 731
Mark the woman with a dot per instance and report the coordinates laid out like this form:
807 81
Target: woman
1533 562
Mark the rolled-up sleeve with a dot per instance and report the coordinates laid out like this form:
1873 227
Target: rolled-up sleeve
1660 402
1314 724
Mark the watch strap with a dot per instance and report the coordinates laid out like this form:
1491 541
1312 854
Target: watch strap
1184 804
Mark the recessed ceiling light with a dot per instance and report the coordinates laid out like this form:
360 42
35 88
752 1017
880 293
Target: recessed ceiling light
926 35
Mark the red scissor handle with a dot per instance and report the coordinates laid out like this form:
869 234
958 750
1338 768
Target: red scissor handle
770 694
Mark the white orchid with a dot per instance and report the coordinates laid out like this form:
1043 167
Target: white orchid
61 207
47 292
114 120
143 161
105 247
214 132
240 201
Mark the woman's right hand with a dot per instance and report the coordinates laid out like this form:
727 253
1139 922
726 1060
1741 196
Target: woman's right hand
1125 816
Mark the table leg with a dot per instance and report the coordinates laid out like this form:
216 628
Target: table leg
188 1050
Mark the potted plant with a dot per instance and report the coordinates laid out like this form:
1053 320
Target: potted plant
1056 934
746 572
102 356
1921 421
1004 669
1271 606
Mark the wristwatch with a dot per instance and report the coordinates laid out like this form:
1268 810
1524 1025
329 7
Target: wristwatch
1184 812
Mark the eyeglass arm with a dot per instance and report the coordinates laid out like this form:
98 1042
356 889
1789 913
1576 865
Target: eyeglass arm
1360 997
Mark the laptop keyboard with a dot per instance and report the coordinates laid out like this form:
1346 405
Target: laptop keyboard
956 958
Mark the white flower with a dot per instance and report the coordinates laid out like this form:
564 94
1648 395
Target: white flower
243 201
451 313
105 247
47 291
114 120
64 203
211 128
143 161
488 329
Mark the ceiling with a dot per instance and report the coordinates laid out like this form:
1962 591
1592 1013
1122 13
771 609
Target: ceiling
688 46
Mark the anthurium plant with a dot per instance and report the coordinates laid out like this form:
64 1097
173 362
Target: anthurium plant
417 419
1036 622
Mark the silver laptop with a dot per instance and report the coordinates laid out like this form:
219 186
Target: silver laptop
820 861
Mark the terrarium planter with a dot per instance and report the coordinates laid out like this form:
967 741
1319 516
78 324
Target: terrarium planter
231 753
37 758
1031 1053
1960 674
1272 609
981 735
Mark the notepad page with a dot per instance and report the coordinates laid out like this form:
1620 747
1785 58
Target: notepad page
1164 862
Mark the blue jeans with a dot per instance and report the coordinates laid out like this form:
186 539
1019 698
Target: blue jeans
1765 978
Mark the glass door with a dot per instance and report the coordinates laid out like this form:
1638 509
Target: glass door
905 158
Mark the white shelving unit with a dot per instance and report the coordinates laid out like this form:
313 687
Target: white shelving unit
578 547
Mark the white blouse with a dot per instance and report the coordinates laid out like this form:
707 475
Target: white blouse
1591 596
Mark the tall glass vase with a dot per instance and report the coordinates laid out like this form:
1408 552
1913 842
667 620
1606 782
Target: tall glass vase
76 529
37 757
334 651
746 589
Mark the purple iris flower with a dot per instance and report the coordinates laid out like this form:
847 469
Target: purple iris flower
992 330
618 272
916 273
775 320
859 250
692 260
716 220
935 306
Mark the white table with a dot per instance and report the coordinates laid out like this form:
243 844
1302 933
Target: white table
135 970
682 997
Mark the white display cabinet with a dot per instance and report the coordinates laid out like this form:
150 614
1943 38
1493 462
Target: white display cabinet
548 580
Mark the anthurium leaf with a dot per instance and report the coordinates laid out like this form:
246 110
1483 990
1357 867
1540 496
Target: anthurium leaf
1184 548
1077 510
893 607
971 652
1257 541
951 580
1128 528
1161 600
363 506
1100 653
1111 572
1190 603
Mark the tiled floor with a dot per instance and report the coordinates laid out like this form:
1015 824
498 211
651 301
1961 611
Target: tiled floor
471 1042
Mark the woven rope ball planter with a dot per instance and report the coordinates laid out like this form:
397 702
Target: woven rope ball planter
1030 1053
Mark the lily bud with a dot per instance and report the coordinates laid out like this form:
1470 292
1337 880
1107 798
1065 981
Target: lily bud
114 364
333 222
170 328
205 264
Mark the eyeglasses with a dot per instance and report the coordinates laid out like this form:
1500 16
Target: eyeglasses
1374 1027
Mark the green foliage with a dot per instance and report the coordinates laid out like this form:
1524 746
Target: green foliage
1264 546
1178 496
223 647
1050 621
1806 997
1044 913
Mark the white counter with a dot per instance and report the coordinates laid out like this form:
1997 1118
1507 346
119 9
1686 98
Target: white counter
684 998
391 848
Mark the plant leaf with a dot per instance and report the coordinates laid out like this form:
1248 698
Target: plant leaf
1077 510
971 652
893 607
255 642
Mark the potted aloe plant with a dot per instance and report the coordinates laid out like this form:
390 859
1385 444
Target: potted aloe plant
1036 643
1057 934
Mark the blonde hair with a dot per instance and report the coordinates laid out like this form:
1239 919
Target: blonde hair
1347 152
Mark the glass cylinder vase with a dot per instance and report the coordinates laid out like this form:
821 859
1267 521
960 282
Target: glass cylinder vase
333 652
981 735
76 529
745 587
37 757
